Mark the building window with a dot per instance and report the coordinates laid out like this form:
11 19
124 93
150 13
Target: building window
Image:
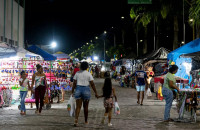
6 40
16 43
11 42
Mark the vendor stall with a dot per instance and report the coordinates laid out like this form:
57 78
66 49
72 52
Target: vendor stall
184 63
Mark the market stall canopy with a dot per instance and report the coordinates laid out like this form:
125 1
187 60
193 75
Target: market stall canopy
7 51
195 55
21 52
41 52
191 47
61 55
159 54
184 64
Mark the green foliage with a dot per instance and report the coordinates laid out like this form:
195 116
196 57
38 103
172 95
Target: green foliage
194 12
117 51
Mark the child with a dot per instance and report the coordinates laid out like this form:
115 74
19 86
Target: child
24 85
55 91
108 93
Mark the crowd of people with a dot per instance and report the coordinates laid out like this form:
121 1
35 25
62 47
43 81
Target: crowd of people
82 79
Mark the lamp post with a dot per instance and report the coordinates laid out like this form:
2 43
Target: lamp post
104 46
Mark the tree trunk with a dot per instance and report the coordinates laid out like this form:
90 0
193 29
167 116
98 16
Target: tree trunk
197 31
157 37
175 42
145 41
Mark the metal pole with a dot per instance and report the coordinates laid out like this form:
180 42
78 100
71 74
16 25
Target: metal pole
114 40
104 50
154 38
137 39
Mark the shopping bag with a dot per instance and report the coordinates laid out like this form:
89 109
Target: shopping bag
149 94
116 109
71 106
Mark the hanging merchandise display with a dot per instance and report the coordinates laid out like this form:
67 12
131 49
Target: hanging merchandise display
10 69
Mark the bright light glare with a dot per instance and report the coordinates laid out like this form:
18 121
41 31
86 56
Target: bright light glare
191 20
96 58
188 67
53 44
87 43
103 68
96 37
122 17
105 32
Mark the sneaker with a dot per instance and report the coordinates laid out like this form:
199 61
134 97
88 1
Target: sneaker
109 124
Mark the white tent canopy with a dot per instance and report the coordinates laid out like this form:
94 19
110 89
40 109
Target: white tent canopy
7 51
21 52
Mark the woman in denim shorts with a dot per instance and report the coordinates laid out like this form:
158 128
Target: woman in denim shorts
82 94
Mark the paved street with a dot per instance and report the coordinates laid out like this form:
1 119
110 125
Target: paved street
133 116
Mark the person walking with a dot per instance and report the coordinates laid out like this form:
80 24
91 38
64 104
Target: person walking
82 94
39 79
108 94
141 83
24 85
168 86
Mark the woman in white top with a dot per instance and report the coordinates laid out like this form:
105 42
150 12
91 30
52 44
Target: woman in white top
82 81
39 79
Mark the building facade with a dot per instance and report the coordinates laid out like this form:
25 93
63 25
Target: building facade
12 22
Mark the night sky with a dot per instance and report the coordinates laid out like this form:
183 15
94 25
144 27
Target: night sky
71 23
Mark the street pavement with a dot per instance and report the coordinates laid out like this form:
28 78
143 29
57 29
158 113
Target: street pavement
132 117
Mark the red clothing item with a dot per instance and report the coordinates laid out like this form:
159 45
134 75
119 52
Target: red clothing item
76 70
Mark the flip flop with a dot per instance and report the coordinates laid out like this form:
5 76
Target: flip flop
141 104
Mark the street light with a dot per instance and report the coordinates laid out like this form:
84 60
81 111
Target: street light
96 58
53 45
96 37
104 46
87 43
122 17
191 20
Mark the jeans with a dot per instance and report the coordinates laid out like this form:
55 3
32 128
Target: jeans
39 96
23 96
168 95
82 92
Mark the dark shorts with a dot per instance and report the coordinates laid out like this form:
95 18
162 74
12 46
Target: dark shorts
82 92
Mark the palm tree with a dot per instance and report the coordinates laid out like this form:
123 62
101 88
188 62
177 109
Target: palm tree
172 8
141 17
194 14
144 15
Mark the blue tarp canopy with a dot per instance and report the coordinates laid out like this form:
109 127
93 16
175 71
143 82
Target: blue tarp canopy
42 53
184 64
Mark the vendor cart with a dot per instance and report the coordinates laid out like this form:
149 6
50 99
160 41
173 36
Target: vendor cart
188 101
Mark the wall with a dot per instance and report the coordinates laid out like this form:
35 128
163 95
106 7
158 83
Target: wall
12 31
